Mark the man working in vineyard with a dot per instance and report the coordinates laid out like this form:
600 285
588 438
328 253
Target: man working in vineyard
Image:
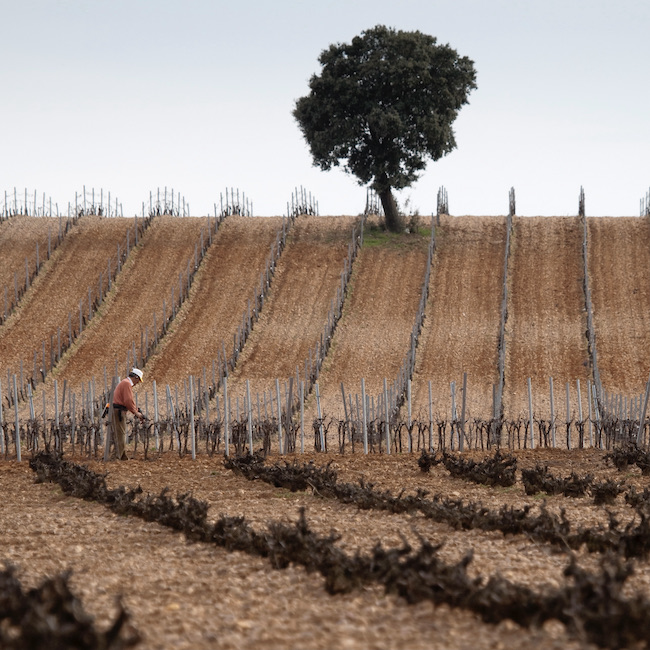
123 402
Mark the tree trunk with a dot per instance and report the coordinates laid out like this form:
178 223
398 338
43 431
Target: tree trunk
394 220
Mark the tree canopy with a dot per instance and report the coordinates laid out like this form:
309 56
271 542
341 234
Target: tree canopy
384 104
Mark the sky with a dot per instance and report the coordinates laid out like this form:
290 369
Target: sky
129 96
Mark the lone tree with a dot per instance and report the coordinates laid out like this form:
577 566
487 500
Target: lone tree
384 103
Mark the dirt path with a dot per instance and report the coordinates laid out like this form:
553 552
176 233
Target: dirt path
145 281
76 266
295 314
18 238
545 331
619 274
372 337
200 596
227 280
461 328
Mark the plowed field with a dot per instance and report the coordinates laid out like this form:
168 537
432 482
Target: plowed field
78 262
545 331
619 273
296 311
227 280
144 282
199 596
373 335
18 238
461 328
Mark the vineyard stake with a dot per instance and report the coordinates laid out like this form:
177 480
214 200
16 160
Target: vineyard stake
320 419
430 419
192 430
249 414
18 454
365 416
408 399
277 392
461 440
226 415
568 417
530 414
639 434
155 415
2 429
386 425
579 406
550 381
591 424
302 416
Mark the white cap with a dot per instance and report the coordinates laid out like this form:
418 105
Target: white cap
137 372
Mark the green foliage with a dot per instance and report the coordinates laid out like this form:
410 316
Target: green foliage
384 104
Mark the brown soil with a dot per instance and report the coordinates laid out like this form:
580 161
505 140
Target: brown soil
145 281
199 596
619 275
218 299
75 267
18 238
545 330
372 338
295 312
461 328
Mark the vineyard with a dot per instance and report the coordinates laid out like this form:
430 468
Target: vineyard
358 365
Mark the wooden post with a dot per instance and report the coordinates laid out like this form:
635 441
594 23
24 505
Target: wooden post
155 415
639 435
226 416
279 401
320 420
461 441
345 408
386 423
192 430
408 415
550 381
365 415
2 429
18 453
302 416
249 413
568 416
430 419
530 415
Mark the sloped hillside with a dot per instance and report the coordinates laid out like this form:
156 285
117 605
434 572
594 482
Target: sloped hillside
146 280
56 294
19 237
373 335
619 270
461 328
227 280
295 314
545 333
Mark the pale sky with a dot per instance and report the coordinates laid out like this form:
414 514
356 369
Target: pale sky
197 95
